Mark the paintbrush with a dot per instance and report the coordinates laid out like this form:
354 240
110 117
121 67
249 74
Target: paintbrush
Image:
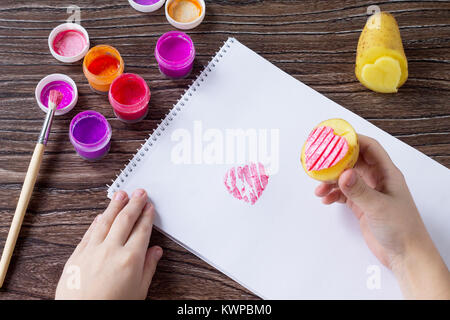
54 100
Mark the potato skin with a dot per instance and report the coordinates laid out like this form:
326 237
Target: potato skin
378 42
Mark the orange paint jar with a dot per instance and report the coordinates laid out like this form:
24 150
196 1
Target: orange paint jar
185 14
102 64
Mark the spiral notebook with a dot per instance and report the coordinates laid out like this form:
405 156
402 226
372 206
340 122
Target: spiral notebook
240 126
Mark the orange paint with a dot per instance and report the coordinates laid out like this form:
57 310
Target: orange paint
101 65
104 66
184 11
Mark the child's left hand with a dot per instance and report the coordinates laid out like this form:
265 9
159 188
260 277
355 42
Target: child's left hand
113 260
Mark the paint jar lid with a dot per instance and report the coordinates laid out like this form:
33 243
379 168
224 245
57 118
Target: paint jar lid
57 79
68 42
185 25
146 5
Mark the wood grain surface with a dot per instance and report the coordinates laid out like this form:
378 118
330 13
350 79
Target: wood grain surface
315 41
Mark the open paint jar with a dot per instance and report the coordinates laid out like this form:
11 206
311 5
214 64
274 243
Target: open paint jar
63 84
146 5
175 54
185 14
68 42
101 65
90 134
129 96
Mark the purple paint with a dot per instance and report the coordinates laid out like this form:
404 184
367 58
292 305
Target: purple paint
63 87
175 54
90 134
146 2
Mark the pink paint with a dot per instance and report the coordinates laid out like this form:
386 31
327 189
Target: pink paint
324 149
69 43
61 86
129 96
246 183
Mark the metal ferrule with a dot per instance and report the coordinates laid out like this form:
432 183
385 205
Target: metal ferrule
43 137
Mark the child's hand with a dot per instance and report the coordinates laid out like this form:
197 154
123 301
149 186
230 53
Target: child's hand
377 193
112 260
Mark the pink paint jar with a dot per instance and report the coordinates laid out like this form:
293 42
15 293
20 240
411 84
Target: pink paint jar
68 42
129 96
175 54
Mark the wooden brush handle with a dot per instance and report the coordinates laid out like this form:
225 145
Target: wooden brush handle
24 199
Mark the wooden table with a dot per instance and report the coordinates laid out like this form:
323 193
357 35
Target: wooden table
314 41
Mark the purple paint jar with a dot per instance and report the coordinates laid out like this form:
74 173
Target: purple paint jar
175 54
90 134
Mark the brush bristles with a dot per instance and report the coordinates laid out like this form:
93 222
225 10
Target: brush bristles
54 99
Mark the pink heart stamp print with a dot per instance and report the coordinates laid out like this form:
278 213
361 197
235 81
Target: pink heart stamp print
324 149
247 183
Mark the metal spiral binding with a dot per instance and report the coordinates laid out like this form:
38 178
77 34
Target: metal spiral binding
177 108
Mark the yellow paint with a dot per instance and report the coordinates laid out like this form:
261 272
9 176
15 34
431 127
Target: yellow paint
184 11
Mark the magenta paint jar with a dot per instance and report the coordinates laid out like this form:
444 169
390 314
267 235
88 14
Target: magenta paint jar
129 96
175 54
90 134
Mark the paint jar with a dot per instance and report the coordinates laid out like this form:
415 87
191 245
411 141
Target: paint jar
146 5
101 65
68 42
129 96
185 14
90 134
175 54
63 84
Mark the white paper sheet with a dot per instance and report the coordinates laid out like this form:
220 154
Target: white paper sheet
288 245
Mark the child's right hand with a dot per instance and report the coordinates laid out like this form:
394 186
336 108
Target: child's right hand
378 195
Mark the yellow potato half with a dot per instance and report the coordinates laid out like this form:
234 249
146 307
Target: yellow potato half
345 130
